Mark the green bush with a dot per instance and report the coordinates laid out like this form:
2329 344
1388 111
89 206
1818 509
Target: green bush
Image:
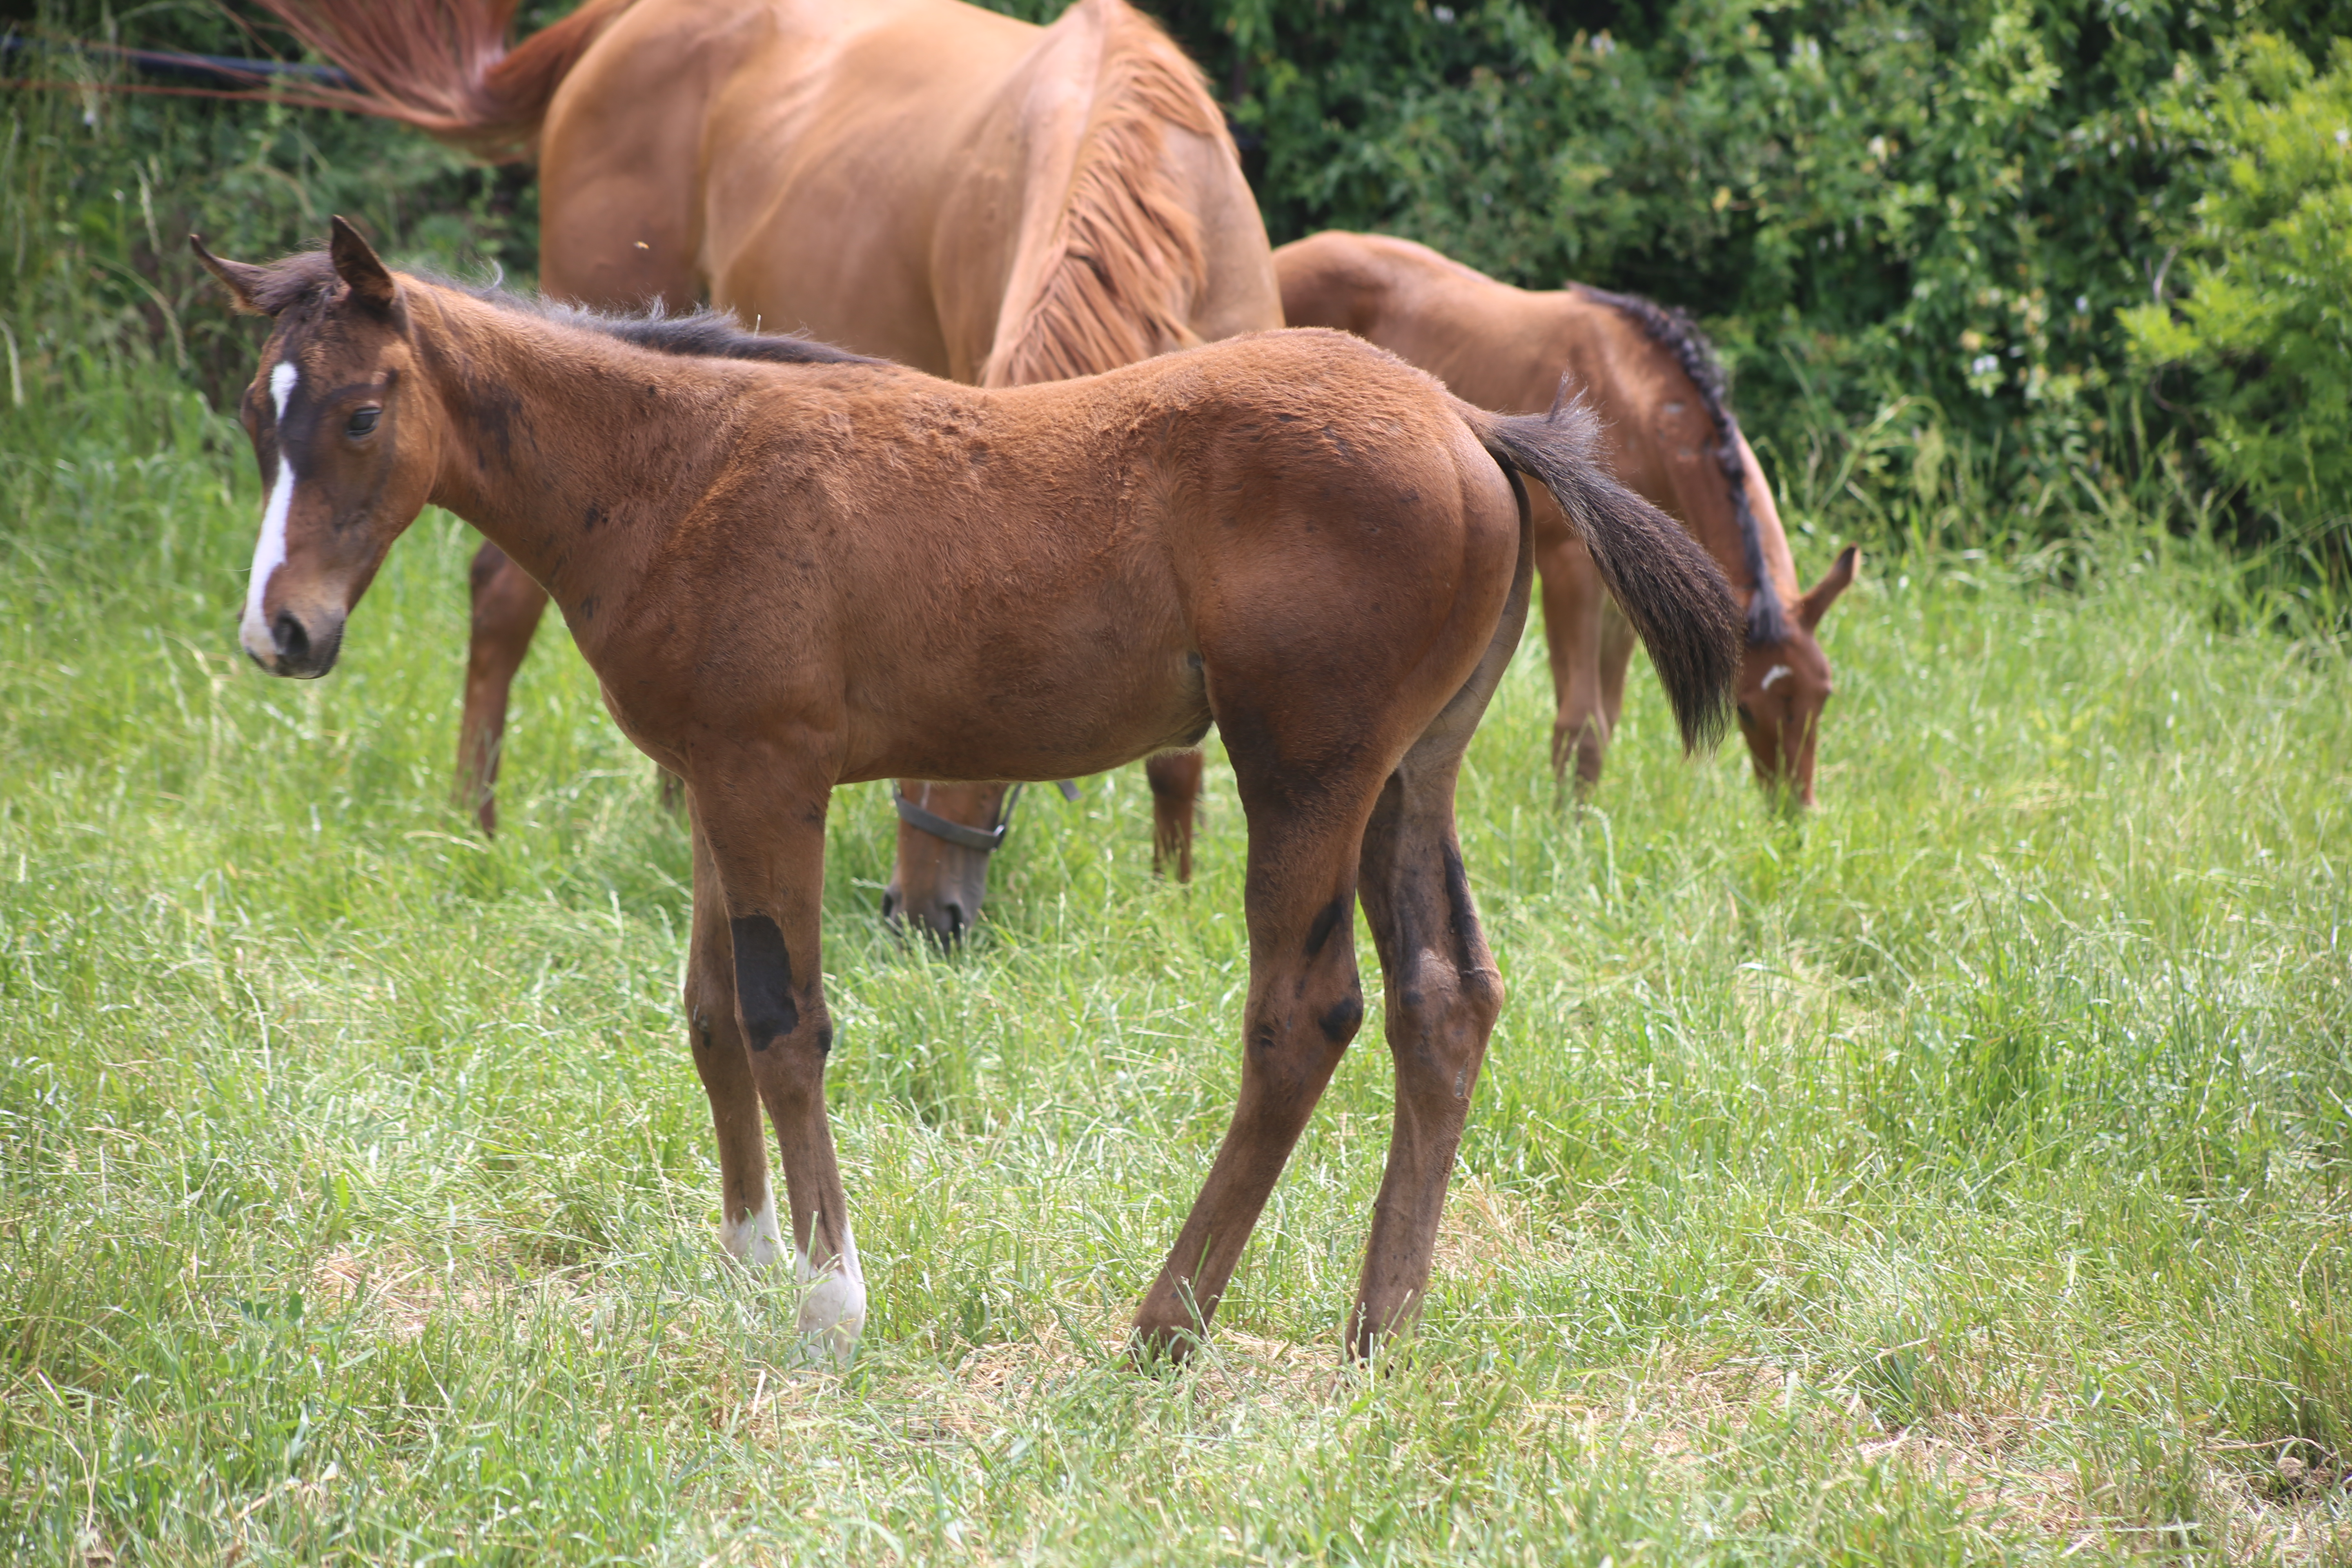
1910 226
2264 331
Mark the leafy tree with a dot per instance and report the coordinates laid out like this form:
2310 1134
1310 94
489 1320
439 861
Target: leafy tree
2266 329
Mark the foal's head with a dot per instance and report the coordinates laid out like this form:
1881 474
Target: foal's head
1784 685
346 434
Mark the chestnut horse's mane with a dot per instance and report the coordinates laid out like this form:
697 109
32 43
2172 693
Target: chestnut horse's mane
706 333
1127 255
1674 330
441 66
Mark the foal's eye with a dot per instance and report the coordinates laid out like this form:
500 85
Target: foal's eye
363 422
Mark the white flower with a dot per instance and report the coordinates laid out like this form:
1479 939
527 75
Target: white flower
1984 365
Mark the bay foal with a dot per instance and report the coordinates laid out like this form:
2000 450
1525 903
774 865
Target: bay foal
791 568
1653 382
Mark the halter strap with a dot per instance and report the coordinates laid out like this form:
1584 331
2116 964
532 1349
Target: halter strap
987 840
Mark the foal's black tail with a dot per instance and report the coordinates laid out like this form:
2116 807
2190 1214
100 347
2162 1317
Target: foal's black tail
1674 595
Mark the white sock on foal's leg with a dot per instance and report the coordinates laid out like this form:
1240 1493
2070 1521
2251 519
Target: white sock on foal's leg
833 1312
753 1238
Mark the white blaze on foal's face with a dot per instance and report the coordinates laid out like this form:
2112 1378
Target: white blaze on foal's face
269 550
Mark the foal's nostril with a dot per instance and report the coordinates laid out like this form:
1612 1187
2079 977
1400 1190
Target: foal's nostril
954 916
890 905
293 642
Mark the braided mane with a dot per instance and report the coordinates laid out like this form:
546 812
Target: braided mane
1674 330
1127 257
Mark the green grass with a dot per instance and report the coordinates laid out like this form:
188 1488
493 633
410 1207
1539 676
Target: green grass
1960 1174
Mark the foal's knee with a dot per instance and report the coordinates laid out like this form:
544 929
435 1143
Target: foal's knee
1442 1018
1298 1032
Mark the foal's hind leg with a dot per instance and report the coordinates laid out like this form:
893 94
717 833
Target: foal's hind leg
1305 1004
1443 991
506 607
1175 779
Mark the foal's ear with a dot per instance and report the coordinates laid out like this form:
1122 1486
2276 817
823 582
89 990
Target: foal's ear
1816 603
357 265
243 281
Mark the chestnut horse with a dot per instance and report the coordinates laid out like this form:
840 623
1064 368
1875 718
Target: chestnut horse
1653 382
921 180
793 568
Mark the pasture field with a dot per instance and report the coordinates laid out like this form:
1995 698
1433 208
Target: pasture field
1964 1174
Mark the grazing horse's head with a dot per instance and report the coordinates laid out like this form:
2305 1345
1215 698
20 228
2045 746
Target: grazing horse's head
1784 684
944 844
342 427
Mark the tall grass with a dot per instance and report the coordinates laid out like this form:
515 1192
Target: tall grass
1957 1174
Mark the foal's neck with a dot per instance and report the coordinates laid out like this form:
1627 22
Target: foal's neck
572 452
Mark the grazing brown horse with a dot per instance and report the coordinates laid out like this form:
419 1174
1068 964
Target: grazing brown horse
1670 438
921 180
791 568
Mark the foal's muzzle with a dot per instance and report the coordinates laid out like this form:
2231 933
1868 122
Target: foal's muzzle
301 646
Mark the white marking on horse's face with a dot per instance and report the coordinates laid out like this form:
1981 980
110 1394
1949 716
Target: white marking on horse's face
1775 673
269 550
832 1313
753 1238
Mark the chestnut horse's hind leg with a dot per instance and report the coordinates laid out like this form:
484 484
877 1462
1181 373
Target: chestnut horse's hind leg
1443 991
1617 640
1175 779
747 1218
765 831
506 607
1574 600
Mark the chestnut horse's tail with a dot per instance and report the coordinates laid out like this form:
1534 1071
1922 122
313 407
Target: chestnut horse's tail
443 66
1674 595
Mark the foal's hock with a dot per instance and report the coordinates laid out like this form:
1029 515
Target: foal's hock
793 568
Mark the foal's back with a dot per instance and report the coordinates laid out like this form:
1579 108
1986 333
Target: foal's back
1060 570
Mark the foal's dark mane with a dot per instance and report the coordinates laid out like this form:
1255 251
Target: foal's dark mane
1674 330
706 333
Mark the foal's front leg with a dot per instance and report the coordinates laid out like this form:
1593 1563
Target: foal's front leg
747 1211
766 847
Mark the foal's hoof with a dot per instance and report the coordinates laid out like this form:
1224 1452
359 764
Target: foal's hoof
1161 1350
833 1317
